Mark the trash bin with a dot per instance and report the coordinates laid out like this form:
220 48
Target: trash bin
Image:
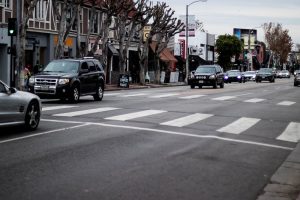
124 81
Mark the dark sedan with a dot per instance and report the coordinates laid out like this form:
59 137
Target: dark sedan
265 74
234 76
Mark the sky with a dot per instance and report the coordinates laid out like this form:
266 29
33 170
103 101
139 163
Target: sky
221 16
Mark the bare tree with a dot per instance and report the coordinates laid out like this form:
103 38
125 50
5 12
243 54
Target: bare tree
66 17
278 41
163 27
29 6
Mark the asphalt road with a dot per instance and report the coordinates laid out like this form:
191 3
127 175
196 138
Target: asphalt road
159 144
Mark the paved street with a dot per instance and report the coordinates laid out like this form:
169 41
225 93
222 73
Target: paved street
156 143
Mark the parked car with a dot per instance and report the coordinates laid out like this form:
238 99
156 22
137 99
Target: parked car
234 76
283 74
18 107
69 79
265 74
249 75
207 75
297 79
296 72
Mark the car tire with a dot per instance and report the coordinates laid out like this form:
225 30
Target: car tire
32 116
222 85
192 86
99 93
74 94
200 86
295 84
215 85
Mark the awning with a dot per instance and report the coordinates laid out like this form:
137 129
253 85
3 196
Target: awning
113 50
165 55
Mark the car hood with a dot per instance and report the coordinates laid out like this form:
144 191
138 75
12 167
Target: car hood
25 95
53 75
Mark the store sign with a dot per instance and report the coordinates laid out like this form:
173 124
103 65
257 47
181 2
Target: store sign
191 25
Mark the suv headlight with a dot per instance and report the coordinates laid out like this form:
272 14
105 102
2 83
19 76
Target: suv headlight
31 80
63 81
212 76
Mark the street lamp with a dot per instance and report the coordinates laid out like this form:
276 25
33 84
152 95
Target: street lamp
187 37
249 49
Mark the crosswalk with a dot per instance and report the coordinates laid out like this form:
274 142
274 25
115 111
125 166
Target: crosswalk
183 96
290 133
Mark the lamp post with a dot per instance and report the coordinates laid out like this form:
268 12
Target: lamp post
187 37
249 49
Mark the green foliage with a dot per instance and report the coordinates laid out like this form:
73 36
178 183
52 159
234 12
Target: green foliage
227 47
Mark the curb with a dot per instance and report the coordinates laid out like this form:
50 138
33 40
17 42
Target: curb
285 183
137 86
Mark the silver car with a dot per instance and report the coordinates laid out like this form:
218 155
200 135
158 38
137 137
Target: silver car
18 107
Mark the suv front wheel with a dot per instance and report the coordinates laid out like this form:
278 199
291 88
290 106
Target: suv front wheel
74 94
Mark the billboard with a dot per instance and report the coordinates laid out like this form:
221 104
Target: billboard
191 25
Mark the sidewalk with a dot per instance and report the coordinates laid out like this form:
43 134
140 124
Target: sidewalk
285 182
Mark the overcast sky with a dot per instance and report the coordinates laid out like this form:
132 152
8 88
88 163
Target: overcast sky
221 16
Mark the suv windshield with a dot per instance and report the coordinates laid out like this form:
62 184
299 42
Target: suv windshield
62 66
265 70
206 70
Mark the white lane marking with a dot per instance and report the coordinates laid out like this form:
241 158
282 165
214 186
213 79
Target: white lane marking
84 112
187 120
239 125
224 98
44 133
192 96
286 103
177 133
255 100
291 133
134 95
243 94
165 95
135 115
57 107
112 94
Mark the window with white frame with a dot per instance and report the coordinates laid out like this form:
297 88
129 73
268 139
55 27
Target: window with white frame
5 3
95 26
41 10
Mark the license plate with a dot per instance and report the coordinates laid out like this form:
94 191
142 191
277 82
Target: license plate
201 81
44 87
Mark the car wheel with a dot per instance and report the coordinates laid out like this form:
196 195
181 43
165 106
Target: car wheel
215 85
222 85
74 95
32 117
192 86
295 84
99 93
200 86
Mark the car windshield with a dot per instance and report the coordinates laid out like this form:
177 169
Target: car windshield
249 72
265 70
62 66
205 70
234 73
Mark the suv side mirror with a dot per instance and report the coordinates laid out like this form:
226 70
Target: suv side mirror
12 90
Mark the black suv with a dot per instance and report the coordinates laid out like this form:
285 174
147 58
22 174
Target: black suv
265 74
207 75
69 79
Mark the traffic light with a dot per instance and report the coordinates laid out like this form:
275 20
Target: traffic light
12 26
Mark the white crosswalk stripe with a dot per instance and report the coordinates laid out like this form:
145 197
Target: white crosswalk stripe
85 112
112 94
134 95
224 98
57 107
291 133
187 120
239 125
192 96
255 100
286 103
135 115
165 95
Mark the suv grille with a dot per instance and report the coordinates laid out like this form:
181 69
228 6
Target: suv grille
45 82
